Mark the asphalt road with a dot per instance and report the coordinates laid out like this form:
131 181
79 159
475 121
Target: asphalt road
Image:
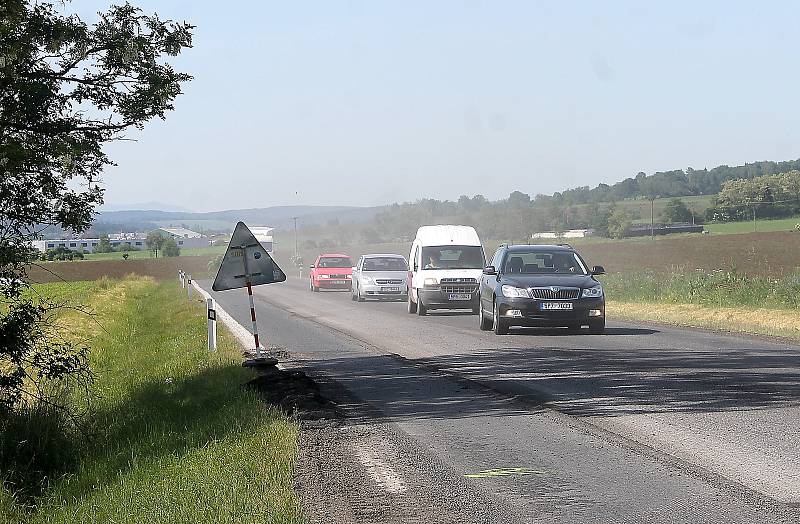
643 424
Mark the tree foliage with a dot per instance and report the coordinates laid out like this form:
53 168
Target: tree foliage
155 242
67 88
170 248
676 211
769 196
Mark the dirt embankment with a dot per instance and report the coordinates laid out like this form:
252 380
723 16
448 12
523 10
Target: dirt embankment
158 268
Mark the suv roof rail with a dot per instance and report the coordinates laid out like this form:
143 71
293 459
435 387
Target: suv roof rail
565 245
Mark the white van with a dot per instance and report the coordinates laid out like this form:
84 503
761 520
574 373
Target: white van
446 264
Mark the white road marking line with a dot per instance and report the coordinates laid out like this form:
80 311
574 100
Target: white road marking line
383 474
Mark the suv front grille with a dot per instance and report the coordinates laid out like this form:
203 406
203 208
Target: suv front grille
389 281
556 293
458 285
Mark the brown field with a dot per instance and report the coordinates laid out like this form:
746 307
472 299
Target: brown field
773 254
768 254
158 268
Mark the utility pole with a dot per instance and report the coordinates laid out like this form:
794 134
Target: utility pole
295 237
652 218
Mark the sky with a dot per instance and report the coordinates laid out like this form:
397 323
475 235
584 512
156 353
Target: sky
373 102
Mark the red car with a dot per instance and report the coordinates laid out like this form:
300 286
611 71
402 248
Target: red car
331 271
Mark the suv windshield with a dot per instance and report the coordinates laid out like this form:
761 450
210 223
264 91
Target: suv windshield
385 264
547 262
335 262
452 257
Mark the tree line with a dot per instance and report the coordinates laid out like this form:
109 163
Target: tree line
675 183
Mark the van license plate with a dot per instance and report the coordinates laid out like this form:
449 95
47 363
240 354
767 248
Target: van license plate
557 305
390 289
460 296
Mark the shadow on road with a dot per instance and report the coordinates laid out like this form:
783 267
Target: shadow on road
582 382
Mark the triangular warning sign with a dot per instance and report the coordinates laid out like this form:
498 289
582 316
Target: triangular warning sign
246 259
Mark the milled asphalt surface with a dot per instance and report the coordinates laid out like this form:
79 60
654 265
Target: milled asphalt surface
644 424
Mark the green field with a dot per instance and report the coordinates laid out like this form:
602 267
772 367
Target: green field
173 436
189 252
786 224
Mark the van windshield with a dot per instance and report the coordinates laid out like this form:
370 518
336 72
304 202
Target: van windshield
452 257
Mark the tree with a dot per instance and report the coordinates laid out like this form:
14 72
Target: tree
676 211
154 242
618 223
104 246
67 88
169 248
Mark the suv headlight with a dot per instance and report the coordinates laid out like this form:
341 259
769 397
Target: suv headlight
323 276
515 292
593 292
431 282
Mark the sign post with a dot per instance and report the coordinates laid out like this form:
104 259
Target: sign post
246 264
212 324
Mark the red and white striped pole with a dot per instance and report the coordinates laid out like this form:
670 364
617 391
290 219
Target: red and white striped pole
253 317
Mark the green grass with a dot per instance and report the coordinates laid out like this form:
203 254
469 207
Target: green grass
188 252
710 289
173 436
786 224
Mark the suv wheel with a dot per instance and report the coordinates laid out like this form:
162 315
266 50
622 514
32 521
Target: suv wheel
485 323
597 327
421 309
499 324
412 306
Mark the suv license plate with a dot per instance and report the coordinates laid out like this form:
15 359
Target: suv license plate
460 296
338 282
557 305
390 289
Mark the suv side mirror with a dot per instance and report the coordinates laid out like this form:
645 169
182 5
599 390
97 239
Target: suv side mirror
353 268
489 270
598 270
312 266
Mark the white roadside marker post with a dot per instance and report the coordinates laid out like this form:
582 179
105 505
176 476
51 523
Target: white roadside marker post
180 280
183 279
212 324
189 286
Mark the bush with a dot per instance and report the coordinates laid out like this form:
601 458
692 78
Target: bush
169 248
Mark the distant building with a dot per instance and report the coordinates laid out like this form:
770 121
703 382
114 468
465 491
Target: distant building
570 233
185 238
264 235
87 245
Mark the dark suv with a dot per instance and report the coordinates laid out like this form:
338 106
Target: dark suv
541 285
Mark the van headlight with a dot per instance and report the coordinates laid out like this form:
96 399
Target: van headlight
431 282
515 292
593 292
368 280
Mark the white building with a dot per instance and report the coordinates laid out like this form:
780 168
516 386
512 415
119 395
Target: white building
185 238
86 245
570 233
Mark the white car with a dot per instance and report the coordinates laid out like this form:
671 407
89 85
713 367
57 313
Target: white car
446 266
380 276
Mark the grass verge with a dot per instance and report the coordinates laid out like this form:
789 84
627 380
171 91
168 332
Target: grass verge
760 321
173 436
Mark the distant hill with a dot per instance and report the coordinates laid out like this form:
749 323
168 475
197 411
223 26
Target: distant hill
156 206
279 217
